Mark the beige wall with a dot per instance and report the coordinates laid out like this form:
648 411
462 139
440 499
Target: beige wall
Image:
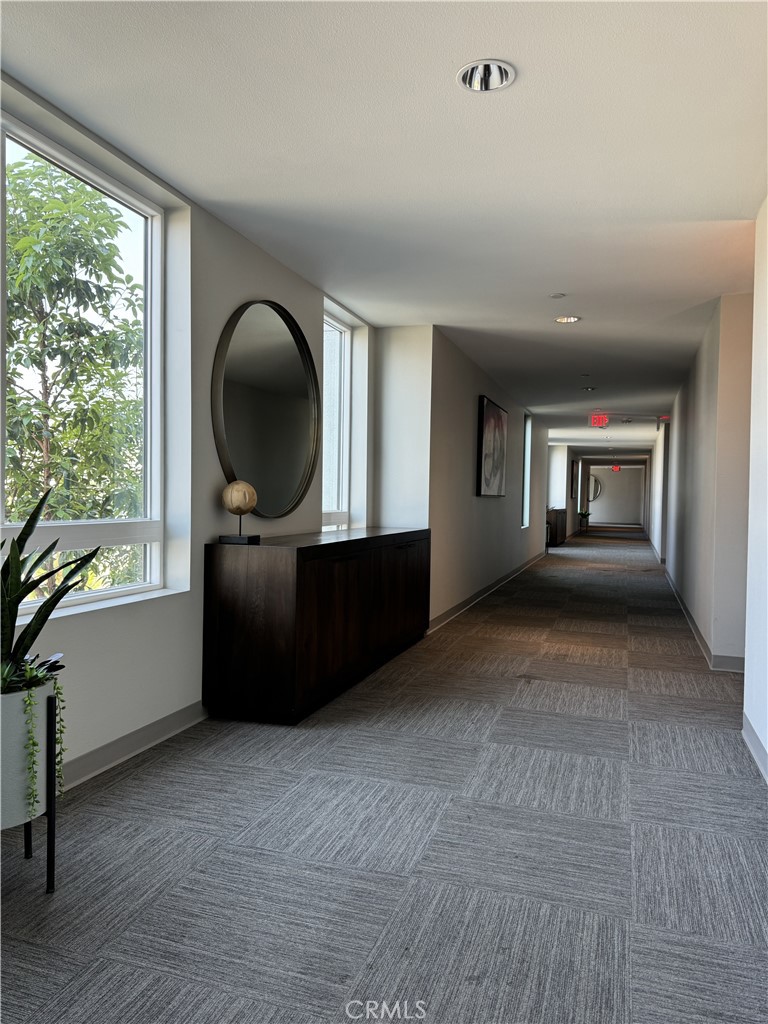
706 553
476 540
401 417
756 654
621 497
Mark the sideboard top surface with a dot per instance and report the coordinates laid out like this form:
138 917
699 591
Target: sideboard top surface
329 537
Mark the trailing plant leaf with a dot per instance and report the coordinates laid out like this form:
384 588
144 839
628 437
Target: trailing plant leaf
33 749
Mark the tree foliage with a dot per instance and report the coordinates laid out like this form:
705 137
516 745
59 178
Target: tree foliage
74 353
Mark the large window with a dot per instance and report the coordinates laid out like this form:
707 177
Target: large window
526 516
336 424
80 364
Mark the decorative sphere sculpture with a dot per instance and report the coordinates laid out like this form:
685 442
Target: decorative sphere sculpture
239 498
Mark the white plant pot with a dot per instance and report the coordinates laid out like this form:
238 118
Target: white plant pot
13 755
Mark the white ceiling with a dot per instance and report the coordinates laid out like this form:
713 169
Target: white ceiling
624 166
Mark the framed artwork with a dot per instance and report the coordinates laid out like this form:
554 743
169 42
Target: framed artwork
491 449
574 477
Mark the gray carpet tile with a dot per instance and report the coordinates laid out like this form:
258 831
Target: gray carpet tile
664 644
677 662
200 795
679 979
569 699
32 976
719 686
549 780
509 632
389 679
671 619
476 663
80 795
583 654
717 803
399 757
528 613
684 747
474 957
578 608
582 863
561 637
280 746
481 688
433 715
114 993
568 733
592 625
591 675
375 826
487 645
107 871
706 714
269 926
701 883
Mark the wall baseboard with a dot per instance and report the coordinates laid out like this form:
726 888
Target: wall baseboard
96 761
457 609
717 662
755 746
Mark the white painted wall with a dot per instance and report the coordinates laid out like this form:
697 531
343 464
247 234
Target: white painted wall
709 453
621 497
756 644
476 540
402 408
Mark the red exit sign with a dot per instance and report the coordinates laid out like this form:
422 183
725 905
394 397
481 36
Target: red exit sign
615 469
598 419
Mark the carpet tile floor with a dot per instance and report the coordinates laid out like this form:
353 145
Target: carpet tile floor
544 813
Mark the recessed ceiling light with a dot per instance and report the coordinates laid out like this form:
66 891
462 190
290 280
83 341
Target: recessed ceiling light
584 375
557 295
485 75
567 319
589 389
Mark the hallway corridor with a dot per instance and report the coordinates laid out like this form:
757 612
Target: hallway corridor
542 814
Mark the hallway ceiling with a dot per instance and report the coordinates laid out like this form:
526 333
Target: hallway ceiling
624 166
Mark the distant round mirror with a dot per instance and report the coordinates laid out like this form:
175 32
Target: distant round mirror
265 403
594 488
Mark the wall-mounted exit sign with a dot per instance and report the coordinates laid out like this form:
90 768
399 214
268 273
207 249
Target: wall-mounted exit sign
615 469
598 419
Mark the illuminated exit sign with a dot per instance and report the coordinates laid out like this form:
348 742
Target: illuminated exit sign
615 469
598 419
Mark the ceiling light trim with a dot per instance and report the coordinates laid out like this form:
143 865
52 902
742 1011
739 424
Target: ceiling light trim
487 75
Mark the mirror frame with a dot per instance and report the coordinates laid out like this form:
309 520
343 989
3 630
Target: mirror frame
313 389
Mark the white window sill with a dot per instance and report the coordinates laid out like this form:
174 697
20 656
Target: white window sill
113 601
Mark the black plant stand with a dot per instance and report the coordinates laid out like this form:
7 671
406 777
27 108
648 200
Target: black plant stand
50 799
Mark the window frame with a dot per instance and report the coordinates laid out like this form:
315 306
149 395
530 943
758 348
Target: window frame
149 529
339 518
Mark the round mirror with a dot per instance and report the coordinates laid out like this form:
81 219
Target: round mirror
594 488
265 403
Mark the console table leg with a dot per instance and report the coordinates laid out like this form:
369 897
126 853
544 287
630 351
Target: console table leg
27 839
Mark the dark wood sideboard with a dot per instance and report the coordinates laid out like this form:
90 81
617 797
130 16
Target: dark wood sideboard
294 621
556 519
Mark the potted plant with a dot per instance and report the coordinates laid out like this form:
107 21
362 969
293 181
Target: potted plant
26 680
584 515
